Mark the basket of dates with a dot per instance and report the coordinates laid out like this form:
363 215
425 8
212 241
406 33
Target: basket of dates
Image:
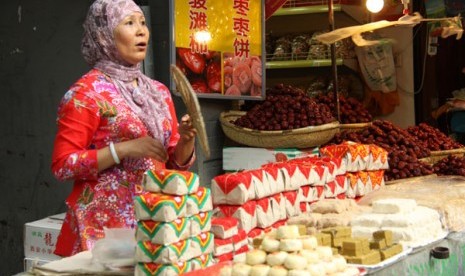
353 115
287 118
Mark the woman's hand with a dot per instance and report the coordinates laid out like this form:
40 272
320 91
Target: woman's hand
142 147
186 129
186 143
150 147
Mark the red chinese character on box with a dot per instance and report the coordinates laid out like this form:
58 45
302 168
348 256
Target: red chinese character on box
241 26
241 47
198 4
48 239
241 6
198 20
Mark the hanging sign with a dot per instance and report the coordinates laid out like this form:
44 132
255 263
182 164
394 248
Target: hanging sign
219 46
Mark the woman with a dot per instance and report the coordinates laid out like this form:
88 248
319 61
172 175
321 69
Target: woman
113 125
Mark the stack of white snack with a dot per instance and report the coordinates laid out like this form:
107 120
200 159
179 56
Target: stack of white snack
411 225
174 220
329 213
229 240
265 198
365 165
285 252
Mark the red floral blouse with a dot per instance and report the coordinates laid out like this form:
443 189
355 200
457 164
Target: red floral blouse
91 115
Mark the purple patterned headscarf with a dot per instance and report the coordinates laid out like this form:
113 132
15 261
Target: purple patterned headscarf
99 50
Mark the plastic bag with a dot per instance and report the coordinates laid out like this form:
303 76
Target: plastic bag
117 249
377 66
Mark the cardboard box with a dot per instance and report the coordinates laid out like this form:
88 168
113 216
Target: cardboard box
40 238
248 158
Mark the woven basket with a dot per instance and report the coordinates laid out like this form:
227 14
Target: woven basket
354 127
297 138
435 156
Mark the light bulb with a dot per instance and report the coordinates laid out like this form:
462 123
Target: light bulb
375 6
202 36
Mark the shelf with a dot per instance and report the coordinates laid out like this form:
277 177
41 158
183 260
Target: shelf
301 63
306 10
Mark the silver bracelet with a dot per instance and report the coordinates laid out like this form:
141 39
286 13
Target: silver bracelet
113 153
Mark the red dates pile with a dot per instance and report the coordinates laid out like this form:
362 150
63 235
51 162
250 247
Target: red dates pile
402 165
351 110
404 149
451 165
386 135
284 108
432 138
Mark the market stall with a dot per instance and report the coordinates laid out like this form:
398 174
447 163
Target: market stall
353 196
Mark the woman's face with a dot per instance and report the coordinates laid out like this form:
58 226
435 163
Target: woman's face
131 38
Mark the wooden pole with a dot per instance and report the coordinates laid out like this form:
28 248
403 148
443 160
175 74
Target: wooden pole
333 59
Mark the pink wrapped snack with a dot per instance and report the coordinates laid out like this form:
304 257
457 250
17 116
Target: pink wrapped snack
299 176
163 232
232 188
255 233
316 172
336 187
339 164
275 178
341 184
223 246
245 214
200 201
264 213
330 189
225 257
225 227
239 240
311 193
200 223
279 223
171 182
278 205
260 183
241 250
305 207
329 171
159 207
292 203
